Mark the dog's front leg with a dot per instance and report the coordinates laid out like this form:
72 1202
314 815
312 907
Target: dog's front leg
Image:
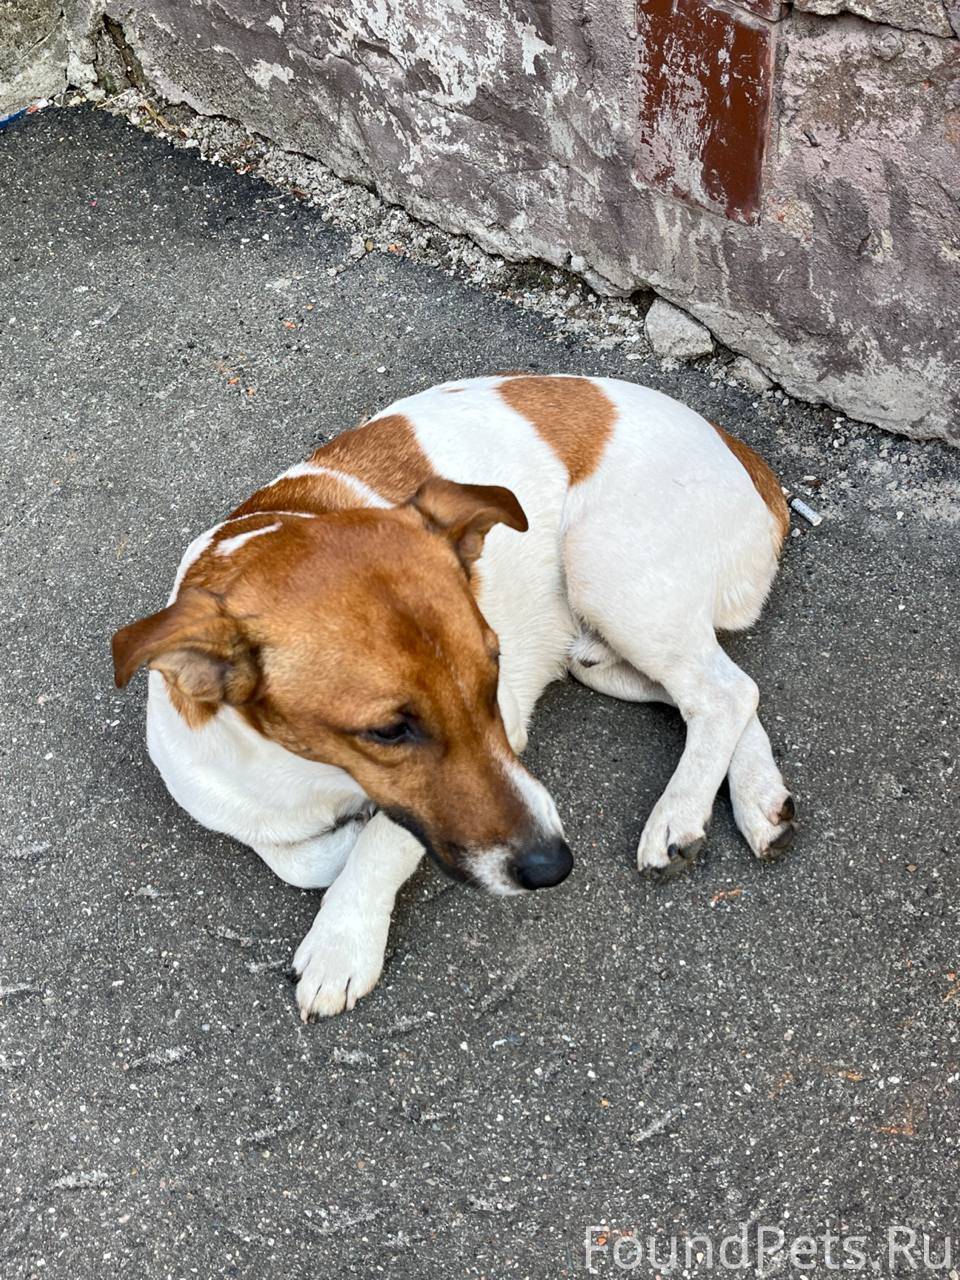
341 957
513 720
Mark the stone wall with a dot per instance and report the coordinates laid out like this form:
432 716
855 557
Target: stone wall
33 52
789 176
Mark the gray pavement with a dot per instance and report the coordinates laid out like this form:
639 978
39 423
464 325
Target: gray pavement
774 1045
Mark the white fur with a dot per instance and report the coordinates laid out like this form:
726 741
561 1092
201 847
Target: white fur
473 437
490 867
341 957
229 545
193 552
231 779
536 798
367 497
623 579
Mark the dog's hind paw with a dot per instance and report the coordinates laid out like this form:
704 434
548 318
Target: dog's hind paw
768 830
763 808
765 812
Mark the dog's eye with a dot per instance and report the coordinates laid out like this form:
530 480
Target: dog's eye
389 735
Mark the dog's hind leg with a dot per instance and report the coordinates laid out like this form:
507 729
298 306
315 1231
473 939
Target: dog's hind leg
593 663
657 618
763 808
716 700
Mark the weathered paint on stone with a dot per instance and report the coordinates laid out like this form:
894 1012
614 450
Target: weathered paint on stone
762 8
515 122
706 92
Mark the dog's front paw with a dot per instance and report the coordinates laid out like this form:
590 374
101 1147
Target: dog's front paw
339 961
671 842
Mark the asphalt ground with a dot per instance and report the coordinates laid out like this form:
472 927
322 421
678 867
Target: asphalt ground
774 1046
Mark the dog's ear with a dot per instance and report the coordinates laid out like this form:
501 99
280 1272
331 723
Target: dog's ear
198 647
465 513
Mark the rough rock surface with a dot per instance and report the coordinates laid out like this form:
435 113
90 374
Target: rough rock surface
749 374
918 15
674 335
33 52
514 122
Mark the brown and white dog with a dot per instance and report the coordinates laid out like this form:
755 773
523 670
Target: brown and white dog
345 671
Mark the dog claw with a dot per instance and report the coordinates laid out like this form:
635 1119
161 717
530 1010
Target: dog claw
779 845
784 839
681 860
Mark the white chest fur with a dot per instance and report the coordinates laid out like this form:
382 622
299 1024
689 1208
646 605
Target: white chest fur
233 780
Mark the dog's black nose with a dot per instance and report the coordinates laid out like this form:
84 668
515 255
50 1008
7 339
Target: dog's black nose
543 865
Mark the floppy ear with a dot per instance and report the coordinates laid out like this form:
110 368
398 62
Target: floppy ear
197 646
465 513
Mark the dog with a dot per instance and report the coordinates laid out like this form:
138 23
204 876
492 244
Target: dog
346 667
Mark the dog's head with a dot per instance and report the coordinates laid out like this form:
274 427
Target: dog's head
354 639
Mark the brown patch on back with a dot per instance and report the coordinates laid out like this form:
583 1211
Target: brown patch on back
384 454
572 415
313 494
764 480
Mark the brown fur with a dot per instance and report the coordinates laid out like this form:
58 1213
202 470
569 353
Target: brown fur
572 415
764 480
465 513
384 454
198 648
331 627
314 494
386 628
